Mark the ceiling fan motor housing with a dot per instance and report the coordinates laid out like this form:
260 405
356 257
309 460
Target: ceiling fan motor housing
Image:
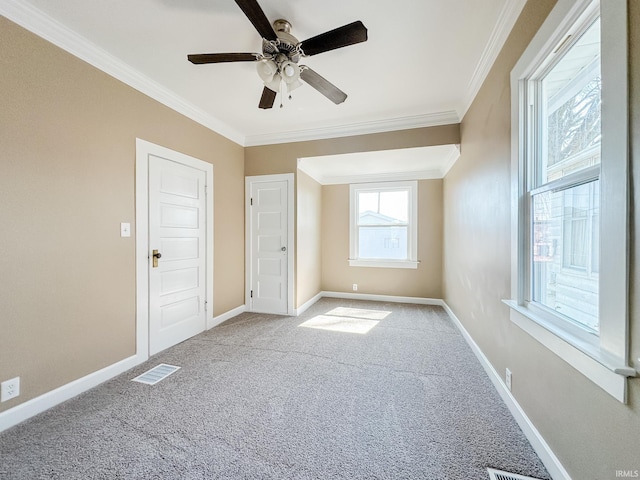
286 44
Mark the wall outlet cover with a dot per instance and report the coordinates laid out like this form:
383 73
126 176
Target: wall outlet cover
10 389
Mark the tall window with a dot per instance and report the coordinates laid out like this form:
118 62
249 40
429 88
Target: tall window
565 100
570 163
383 229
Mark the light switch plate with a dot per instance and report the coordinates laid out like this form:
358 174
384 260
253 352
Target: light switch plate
125 229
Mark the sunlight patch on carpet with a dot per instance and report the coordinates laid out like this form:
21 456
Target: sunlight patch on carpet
359 313
347 320
340 324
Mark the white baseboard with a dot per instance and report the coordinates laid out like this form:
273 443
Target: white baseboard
548 458
24 411
30 408
223 317
383 298
37 405
300 310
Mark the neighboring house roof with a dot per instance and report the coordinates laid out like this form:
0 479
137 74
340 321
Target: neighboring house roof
373 218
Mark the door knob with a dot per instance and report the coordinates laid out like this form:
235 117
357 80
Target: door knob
156 256
284 249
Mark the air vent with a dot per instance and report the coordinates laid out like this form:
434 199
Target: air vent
153 376
500 475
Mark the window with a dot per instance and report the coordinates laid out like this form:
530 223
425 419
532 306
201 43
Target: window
569 149
383 218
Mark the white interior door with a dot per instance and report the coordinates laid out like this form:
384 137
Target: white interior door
177 235
269 246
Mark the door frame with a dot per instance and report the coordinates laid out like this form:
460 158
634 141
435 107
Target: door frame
249 181
143 150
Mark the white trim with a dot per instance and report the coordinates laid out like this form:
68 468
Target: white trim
223 317
41 24
143 150
384 263
412 225
290 179
380 177
506 20
383 298
48 400
305 306
548 458
452 158
612 349
364 128
603 376
30 408
46 27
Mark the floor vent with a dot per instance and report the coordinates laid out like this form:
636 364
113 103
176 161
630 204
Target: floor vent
500 475
153 376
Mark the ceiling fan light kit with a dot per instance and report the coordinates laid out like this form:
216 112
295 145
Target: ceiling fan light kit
281 52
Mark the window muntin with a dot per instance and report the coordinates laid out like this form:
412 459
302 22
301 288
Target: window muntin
383 224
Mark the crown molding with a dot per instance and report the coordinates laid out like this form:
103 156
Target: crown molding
364 128
377 177
452 157
53 31
507 19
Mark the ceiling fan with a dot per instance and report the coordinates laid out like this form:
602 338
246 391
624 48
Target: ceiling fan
281 52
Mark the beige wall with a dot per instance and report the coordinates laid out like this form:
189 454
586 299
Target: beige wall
592 434
283 158
309 238
67 163
338 276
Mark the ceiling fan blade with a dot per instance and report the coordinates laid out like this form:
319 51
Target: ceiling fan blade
267 99
256 16
323 85
201 58
340 37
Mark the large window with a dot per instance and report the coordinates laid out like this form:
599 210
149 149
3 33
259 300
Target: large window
383 220
570 257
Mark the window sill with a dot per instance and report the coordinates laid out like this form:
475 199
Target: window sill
383 263
593 363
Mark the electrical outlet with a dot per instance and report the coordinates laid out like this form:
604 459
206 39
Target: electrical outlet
10 389
355 287
507 378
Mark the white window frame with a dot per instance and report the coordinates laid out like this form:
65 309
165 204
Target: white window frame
412 233
603 359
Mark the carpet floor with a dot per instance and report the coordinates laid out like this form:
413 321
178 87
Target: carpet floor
349 390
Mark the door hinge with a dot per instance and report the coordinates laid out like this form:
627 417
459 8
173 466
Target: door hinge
205 305
251 293
251 201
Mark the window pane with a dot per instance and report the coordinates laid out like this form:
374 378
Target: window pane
383 243
571 102
566 252
367 202
383 208
395 205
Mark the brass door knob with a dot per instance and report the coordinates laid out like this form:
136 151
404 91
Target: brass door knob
156 255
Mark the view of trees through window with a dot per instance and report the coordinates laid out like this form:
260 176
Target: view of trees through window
566 221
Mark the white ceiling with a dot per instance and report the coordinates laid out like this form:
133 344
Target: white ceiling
388 165
422 65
